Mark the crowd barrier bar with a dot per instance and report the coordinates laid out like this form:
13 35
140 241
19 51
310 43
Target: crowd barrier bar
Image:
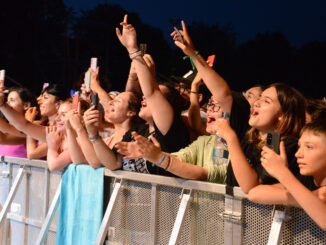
233 215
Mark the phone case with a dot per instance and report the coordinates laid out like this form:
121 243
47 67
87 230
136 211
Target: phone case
210 60
94 99
87 81
273 141
75 101
2 76
94 63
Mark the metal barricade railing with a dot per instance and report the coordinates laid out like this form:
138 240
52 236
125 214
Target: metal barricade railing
151 209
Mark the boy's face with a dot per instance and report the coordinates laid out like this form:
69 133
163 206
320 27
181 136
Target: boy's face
311 155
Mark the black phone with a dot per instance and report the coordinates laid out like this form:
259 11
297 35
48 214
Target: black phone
143 48
273 141
94 100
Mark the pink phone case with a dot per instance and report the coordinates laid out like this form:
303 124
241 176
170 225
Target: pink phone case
94 63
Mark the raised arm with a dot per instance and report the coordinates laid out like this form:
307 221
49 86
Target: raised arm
194 118
214 82
244 173
132 81
21 124
105 155
161 109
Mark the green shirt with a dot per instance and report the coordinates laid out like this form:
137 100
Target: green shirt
200 153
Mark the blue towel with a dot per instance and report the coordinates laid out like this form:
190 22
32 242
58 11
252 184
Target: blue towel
81 205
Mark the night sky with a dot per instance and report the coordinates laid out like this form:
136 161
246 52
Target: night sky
300 21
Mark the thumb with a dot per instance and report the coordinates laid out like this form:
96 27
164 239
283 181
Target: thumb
180 45
117 30
155 142
282 150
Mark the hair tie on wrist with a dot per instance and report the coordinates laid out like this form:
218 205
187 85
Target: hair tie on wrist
191 61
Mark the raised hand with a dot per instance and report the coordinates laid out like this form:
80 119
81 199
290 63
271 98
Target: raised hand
91 119
131 150
150 63
74 120
187 46
150 151
94 77
272 162
223 128
53 138
128 36
30 114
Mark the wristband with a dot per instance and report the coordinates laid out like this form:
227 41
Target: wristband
191 61
94 138
160 161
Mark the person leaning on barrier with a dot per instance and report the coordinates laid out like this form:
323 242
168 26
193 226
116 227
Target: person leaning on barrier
281 109
311 158
195 161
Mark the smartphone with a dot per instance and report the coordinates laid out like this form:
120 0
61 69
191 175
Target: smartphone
94 100
273 141
210 60
75 101
2 77
179 35
94 63
87 81
143 48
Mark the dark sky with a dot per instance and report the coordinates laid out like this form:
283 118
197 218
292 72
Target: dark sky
300 21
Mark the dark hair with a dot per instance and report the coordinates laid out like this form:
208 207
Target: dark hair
134 104
174 98
206 94
293 109
317 126
315 107
57 90
25 95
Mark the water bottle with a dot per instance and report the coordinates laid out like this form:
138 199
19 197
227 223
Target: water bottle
220 150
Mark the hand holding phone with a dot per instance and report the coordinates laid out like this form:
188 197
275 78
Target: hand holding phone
179 35
273 141
94 100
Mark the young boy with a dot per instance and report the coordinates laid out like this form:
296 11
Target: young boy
311 158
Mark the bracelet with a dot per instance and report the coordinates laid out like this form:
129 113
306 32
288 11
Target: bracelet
160 161
135 54
167 166
191 61
194 92
94 138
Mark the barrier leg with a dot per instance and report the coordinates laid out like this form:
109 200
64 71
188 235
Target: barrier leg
275 234
49 217
185 201
12 193
108 214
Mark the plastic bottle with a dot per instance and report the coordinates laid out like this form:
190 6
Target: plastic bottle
220 151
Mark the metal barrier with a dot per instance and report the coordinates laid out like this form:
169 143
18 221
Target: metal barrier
151 209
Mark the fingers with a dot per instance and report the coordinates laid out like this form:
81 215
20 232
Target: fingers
282 150
184 28
118 32
125 18
155 142
149 60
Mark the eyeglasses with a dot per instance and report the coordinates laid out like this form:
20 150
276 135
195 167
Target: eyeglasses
182 89
215 107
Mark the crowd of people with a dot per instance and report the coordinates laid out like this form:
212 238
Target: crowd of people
170 129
